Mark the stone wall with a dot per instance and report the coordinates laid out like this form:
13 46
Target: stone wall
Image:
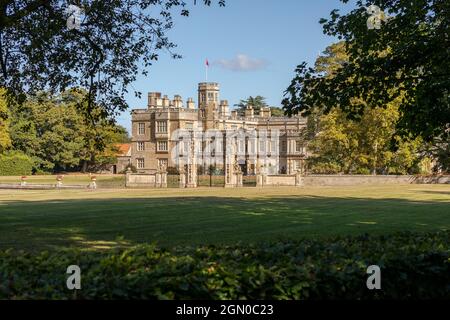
347 180
146 180
351 180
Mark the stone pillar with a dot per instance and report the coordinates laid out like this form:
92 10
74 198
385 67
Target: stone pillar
158 179
164 179
229 174
239 179
127 177
298 179
264 179
182 182
192 166
259 180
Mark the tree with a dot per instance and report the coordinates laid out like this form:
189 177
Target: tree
343 145
276 112
38 50
408 57
48 131
57 136
257 103
5 140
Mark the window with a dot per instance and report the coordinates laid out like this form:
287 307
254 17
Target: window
283 145
189 125
140 163
141 128
297 165
298 146
162 163
162 146
262 146
162 126
140 146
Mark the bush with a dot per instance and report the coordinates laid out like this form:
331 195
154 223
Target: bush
362 170
325 168
412 266
131 167
15 163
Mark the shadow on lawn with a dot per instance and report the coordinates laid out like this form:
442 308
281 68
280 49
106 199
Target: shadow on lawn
105 223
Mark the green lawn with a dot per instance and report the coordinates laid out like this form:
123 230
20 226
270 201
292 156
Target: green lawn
34 219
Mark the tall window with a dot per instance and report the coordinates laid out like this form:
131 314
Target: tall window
140 146
298 146
162 146
141 128
140 163
283 145
161 127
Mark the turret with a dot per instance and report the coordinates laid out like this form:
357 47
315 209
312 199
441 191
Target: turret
153 99
223 108
177 101
249 112
190 104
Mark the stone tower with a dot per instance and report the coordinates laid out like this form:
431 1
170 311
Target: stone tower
208 103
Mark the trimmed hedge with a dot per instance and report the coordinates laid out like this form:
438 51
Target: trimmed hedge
412 266
15 163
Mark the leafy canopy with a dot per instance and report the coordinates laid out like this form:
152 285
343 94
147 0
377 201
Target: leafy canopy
409 57
39 52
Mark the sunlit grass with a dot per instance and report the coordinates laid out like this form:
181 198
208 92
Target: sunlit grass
97 218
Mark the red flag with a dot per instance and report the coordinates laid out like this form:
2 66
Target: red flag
207 63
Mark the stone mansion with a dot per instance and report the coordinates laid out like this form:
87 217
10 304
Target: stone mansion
153 131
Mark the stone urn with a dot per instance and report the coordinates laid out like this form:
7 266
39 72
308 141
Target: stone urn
59 179
93 184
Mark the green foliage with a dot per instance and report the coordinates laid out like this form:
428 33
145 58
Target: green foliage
370 144
256 102
276 112
5 140
15 163
413 266
131 167
39 50
407 58
58 135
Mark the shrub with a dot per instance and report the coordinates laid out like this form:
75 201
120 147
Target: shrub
15 163
412 266
131 167
325 168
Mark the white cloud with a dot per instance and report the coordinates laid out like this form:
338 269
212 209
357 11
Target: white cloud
242 62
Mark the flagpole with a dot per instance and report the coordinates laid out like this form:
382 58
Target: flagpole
206 66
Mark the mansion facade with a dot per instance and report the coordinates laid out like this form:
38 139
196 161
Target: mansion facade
154 134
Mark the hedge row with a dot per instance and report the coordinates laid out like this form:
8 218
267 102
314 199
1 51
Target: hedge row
15 163
412 266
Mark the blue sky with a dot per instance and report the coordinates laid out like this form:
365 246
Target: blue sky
253 47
